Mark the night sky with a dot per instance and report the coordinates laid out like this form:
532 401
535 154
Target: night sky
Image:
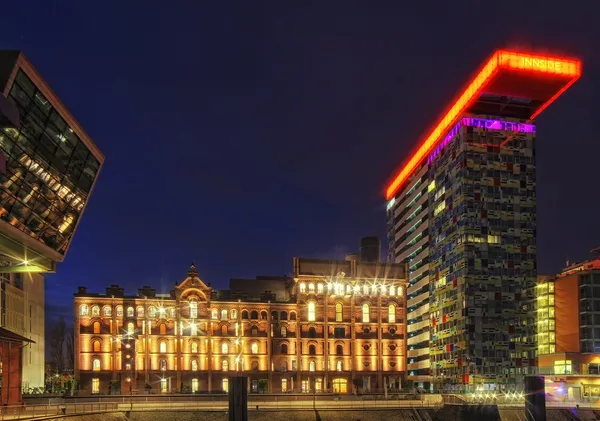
240 134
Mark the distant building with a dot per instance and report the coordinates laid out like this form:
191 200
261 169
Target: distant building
568 331
335 325
11 361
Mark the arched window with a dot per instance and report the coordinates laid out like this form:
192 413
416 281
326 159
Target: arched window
193 309
96 346
95 364
254 365
224 348
224 314
292 316
302 287
366 315
96 327
107 311
284 366
254 331
152 311
194 365
119 311
311 288
95 311
392 291
224 330
339 350
383 290
283 315
391 313
140 311
274 315
162 347
193 329
400 292
312 350
130 328
283 331
214 314
339 366
263 315
312 365
338 312
84 310
245 315
338 288
254 348
194 346
311 311
225 365
163 365
366 289
348 289
129 311
162 329
284 348
254 315
320 288
233 314
312 332
172 312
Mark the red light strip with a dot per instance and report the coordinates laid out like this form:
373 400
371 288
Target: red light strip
500 59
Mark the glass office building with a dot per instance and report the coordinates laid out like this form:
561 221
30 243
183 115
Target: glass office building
48 166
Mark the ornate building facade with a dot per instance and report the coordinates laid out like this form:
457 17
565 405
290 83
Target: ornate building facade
335 326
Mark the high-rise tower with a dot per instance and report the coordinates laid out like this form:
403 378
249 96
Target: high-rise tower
462 215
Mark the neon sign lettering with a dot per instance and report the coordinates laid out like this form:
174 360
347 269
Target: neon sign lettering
540 63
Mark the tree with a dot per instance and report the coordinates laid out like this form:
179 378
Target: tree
57 345
70 354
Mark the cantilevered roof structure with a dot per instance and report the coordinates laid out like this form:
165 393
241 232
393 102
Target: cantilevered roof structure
510 84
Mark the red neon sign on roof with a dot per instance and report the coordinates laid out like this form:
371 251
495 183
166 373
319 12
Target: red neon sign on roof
565 71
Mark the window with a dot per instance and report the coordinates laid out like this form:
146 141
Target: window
292 316
348 289
130 328
152 312
224 330
283 315
164 385
162 329
263 315
224 365
311 288
339 332
284 385
194 365
225 384
284 348
193 329
302 287
233 314
244 315
338 312
400 291
365 289
311 311
224 348
223 314
129 311
284 366
338 288
340 386
96 346
96 327
339 350
195 385
214 314
366 316
140 311
193 309
312 350
254 315
95 311
339 366
95 364
283 331
163 365
254 348
320 288
119 311
84 310
563 367
254 331
107 311
95 385
391 313
312 365
274 315
162 347
312 332
392 291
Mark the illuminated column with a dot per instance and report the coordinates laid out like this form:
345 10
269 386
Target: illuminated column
379 344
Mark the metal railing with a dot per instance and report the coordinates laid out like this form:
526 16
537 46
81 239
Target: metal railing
15 412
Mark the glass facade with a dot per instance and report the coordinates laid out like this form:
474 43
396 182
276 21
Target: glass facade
49 171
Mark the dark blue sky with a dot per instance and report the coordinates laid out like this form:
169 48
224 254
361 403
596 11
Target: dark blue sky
240 134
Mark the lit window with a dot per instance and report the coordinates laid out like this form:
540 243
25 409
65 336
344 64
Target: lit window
129 311
162 329
284 385
373 289
95 364
392 313
107 311
193 309
152 312
312 366
225 384
302 287
254 348
194 365
84 310
95 311
224 348
319 290
224 314
130 328
311 288
96 346
365 289
162 347
140 311
96 385
194 346
338 288
348 289
311 311
164 385
339 366
233 315
96 327
392 291
224 330
193 329
431 186
338 312
195 385
225 365
283 331
119 311
400 292
563 367
366 316
214 314
163 365
383 290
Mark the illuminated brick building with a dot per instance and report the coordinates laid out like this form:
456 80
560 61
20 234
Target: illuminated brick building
333 326
462 216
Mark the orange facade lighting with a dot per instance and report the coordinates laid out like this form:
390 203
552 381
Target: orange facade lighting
553 69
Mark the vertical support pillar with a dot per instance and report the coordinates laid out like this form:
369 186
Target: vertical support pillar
535 398
238 398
